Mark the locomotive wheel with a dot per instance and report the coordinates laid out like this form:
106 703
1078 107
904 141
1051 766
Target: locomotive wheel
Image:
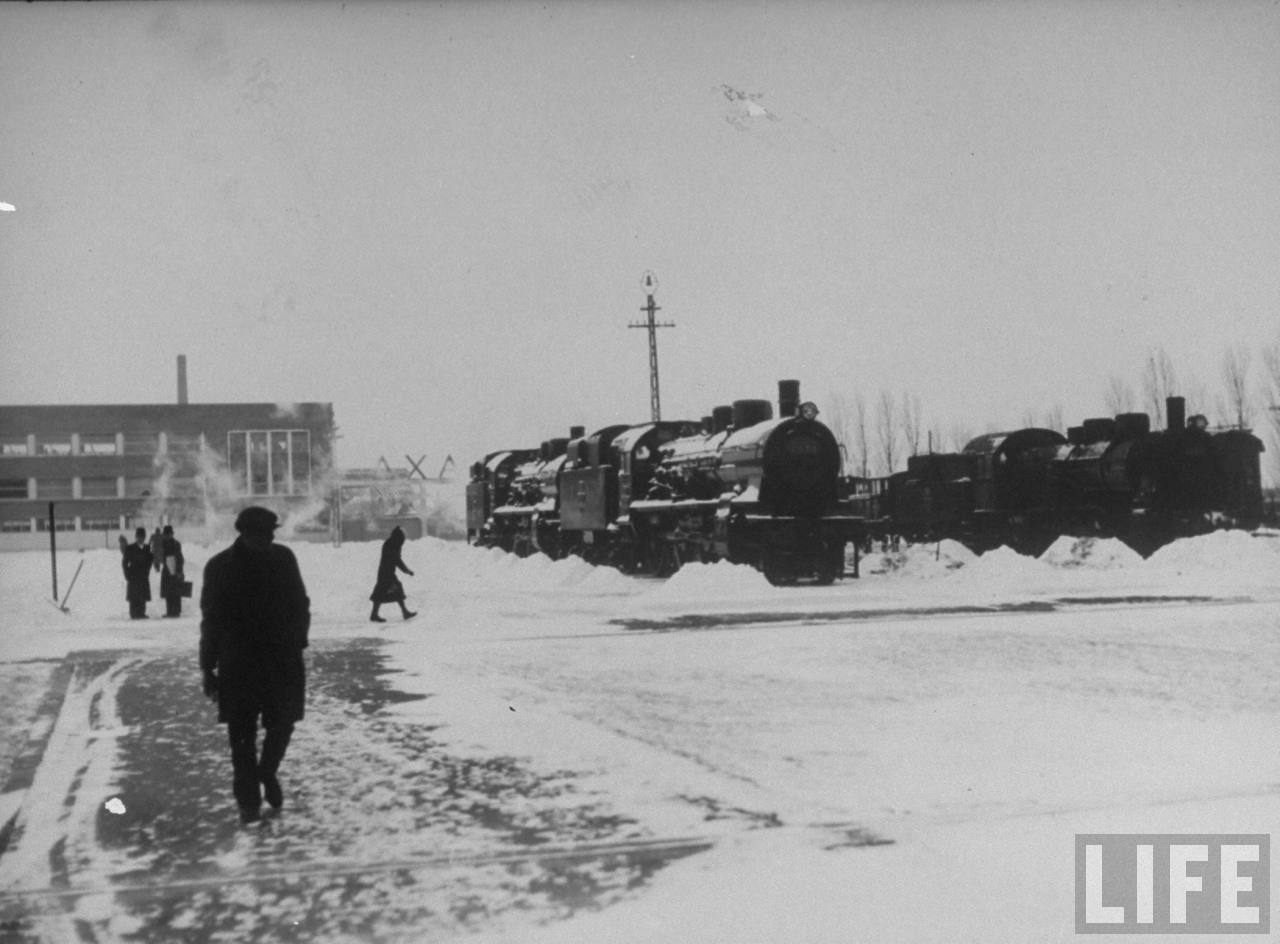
829 565
776 569
668 560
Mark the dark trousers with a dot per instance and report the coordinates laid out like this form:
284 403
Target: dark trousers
173 606
137 609
248 769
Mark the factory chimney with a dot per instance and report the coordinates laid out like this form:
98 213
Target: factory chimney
1175 411
182 380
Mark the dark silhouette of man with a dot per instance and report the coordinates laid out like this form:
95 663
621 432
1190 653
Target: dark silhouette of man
136 561
255 620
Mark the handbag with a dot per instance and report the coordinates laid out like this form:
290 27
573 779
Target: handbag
186 588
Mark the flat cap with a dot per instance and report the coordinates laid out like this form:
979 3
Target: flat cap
257 520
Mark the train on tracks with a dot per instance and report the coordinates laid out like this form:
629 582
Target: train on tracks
745 486
1109 477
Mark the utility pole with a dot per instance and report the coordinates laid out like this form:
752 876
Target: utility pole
649 282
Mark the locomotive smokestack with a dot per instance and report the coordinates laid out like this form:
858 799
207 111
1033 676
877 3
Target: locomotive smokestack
721 418
182 380
1175 410
788 397
577 432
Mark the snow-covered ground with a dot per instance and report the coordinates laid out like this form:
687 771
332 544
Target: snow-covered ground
904 757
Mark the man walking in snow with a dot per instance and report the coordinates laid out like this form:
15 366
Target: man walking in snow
256 616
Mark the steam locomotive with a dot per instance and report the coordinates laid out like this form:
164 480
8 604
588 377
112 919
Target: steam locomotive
743 486
740 485
1106 478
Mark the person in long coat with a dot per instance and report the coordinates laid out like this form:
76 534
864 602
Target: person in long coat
171 573
136 562
388 588
157 548
255 619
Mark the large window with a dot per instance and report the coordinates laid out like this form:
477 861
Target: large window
98 444
59 524
271 461
16 526
99 524
184 443
13 446
141 444
300 461
13 488
53 488
138 487
259 464
54 446
98 487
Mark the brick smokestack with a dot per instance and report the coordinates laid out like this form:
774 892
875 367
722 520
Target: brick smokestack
182 380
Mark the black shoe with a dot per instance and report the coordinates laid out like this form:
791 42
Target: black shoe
250 814
271 790
410 614
376 619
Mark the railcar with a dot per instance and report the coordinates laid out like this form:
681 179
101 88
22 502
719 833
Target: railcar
526 520
1107 477
490 486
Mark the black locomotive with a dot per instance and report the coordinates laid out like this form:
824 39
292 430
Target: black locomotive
1106 478
743 486
740 485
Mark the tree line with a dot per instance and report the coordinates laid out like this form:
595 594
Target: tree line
877 435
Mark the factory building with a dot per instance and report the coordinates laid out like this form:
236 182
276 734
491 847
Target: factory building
107 469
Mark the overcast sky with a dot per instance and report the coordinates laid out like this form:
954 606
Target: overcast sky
437 216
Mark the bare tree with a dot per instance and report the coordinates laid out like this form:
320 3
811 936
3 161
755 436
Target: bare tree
860 434
1196 393
1235 377
1271 398
1119 396
961 436
839 420
887 430
912 421
1159 382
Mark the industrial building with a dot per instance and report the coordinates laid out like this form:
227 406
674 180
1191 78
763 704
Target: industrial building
107 469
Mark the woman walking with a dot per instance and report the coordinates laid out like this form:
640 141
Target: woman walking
388 589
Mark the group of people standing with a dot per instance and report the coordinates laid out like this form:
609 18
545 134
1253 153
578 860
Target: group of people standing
162 553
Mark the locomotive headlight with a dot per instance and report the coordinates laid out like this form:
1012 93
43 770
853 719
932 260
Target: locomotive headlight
809 410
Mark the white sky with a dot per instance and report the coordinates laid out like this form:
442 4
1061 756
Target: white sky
437 216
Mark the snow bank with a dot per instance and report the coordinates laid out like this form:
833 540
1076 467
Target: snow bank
1004 563
922 561
1234 551
1103 553
721 580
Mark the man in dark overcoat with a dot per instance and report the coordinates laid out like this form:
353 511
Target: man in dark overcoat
256 616
172 570
136 561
